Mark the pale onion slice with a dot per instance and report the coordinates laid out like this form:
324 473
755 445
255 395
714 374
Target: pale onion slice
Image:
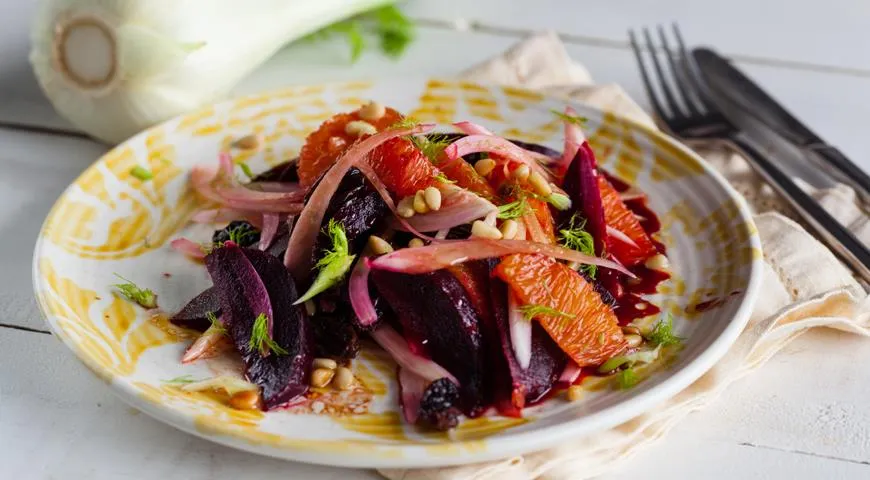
358 291
573 139
533 226
521 332
493 144
229 384
619 235
212 342
570 373
631 194
188 247
471 128
442 255
298 256
412 387
270 228
275 187
395 345
206 180
458 207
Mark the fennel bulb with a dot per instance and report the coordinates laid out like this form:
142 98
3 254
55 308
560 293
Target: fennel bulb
115 67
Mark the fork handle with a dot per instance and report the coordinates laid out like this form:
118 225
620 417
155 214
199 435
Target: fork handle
841 241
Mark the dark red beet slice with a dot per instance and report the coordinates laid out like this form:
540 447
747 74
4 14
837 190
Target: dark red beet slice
581 185
283 172
194 315
358 207
251 282
516 387
440 322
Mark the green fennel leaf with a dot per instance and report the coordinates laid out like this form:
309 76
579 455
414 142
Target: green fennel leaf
182 380
216 325
627 379
144 297
246 169
334 264
576 120
662 333
514 209
577 238
260 340
141 173
531 311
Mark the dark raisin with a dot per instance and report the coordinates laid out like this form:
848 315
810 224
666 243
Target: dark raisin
239 231
438 404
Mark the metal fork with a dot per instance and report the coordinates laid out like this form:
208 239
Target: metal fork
685 109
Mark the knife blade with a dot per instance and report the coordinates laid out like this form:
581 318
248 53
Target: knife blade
724 79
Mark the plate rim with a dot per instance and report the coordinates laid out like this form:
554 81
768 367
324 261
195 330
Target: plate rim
496 447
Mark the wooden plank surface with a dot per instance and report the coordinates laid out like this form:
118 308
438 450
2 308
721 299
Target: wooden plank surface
779 423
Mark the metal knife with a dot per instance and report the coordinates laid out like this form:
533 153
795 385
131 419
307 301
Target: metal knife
725 79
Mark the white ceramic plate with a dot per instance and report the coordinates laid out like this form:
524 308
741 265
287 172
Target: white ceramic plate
109 222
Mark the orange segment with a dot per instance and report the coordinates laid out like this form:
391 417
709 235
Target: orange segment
589 334
466 177
324 145
402 167
618 216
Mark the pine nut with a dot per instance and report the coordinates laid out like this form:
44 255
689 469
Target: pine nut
326 363
540 185
359 128
633 340
509 229
630 330
321 377
247 400
420 203
310 307
521 173
372 111
484 167
405 208
575 392
379 246
482 230
343 378
432 196
248 142
416 242
657 262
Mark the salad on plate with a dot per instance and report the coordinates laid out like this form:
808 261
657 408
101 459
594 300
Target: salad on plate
495 273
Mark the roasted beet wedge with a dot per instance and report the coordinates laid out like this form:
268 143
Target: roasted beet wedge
250 283
283 172
358 207
515 387
194 315
439 321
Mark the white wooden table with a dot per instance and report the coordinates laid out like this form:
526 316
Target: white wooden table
806 415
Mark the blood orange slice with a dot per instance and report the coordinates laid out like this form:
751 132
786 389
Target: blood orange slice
402 167
573 314
324 145
618 216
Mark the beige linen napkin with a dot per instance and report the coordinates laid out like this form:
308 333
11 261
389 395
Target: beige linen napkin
805 285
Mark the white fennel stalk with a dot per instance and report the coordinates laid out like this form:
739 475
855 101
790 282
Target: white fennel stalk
115 67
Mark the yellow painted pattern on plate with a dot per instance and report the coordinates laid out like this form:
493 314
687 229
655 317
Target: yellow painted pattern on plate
112 348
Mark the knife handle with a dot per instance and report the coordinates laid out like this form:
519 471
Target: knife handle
841 241
851 173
